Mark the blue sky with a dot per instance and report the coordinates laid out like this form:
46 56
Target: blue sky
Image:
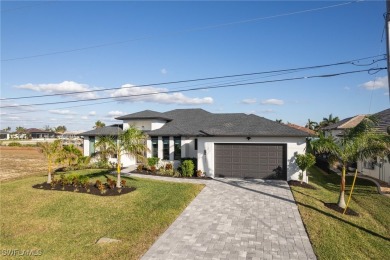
56 47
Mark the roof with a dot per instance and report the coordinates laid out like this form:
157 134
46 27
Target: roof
4 132
146 114
111 130
307 130
198 122
36 130
383 118
346 123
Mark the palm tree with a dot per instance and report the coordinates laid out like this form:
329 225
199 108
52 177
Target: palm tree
280 121
52 152
106 147
99 124
70 154
312 125
60 129
7 129
358 143
330 120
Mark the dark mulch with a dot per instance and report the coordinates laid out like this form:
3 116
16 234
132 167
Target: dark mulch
157 174
303 185
92 189
335 207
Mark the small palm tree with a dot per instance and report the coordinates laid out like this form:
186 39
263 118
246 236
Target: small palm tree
52 152
330 120
70 155
106 147
312 125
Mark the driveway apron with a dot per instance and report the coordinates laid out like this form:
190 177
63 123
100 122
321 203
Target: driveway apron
236 219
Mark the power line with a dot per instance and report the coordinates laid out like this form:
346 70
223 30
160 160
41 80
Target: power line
352 62
182 31
202 88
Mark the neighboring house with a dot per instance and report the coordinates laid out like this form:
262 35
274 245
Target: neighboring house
338 128
225 145
378 168
302 128
70 137
4 135
35 133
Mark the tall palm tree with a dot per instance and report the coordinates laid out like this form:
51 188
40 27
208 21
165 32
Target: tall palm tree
52 152
99 124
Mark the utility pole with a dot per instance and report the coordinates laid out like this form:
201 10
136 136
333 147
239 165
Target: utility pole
387 17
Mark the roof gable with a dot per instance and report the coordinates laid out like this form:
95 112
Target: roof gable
146 114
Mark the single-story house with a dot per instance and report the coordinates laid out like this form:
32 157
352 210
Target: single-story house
35 133
224 145
378 168
4 135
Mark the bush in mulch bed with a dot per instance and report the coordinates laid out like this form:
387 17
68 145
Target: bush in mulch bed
164 174
299 184
100 189
336 207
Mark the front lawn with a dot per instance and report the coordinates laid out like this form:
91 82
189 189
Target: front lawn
335 236
66 225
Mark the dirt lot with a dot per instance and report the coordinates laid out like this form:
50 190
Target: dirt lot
16 162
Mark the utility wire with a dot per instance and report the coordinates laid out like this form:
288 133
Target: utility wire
352 62
182 31
200 88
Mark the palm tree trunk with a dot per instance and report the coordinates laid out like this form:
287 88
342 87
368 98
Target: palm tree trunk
49 174
118 169
341 202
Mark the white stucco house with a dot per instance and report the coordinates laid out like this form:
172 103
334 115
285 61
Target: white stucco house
378 168
224 145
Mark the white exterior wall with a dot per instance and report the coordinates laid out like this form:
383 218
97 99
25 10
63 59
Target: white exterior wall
86 145
381 171
205 151
146 125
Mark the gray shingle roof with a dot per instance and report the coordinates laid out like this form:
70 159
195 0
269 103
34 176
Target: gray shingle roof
112 130
383 120
146 114
198 122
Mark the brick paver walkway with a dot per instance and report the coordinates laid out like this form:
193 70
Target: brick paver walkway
236 219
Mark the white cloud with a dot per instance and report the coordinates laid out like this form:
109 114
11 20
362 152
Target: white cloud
53 119
128 93
84 117
63 87
347 88
164 71
380 82
92 113
62 112
273 101
115 113
249 101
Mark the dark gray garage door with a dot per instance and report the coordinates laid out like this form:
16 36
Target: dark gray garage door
250 160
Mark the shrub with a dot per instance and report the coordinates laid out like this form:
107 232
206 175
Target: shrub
153 161
15 144
111 183
199 173
194 161
123 183
140 167
153 169
187 168
84 181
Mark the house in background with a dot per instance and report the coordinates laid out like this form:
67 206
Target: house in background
224 145
378 168
35 133
4 135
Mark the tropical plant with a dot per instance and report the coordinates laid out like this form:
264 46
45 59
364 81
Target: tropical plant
7 129
312 125
357 143
304 162
153 161
70 155
52 151
60 129
280 121
330 120
47 128
106 148
99 124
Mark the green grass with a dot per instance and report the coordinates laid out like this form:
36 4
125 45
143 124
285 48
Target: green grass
66 225
337 236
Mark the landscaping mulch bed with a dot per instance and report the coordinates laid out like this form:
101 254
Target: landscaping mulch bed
335 207
161 175
92 189
303 185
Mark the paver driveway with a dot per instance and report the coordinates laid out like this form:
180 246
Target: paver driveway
236 219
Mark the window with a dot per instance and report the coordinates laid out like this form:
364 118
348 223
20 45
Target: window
196 144
154 146
165 140
91 145
370 164
177 145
